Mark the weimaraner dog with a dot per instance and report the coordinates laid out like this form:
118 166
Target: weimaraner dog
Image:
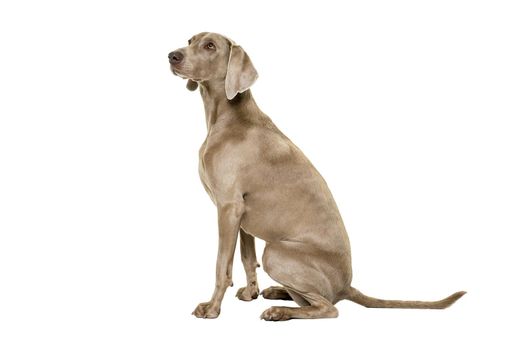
265 187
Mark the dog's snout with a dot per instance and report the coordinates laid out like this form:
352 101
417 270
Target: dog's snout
175 57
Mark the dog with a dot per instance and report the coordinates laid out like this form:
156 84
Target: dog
265 187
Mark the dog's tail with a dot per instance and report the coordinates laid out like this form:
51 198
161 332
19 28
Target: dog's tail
361 299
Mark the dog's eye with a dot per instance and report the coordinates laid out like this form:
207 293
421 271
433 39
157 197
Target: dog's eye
210 46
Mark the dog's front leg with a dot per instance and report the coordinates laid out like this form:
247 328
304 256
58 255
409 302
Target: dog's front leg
249 260
229 222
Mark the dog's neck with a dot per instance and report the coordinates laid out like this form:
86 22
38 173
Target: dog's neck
217 105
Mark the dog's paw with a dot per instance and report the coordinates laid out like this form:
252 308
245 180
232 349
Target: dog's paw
248 293
275 313
206 310
276 293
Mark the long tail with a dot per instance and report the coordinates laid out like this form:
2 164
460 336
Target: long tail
361 299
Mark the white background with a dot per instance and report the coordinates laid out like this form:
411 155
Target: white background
412 110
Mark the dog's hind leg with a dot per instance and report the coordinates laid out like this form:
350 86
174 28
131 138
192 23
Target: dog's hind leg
303 280
318 307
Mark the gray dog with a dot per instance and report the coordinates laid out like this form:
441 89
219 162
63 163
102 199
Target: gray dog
265 187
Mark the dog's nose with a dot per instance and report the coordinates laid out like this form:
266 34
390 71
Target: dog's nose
175 57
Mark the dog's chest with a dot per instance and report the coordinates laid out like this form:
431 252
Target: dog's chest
203 174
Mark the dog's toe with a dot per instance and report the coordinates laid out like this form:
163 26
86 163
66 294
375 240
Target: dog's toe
248 293
275 313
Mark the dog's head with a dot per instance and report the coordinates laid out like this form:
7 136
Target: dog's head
211 56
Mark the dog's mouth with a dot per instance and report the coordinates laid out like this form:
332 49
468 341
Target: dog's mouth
192 83
177 72
182 75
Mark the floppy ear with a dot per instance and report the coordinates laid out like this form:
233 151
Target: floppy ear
241 73
191 85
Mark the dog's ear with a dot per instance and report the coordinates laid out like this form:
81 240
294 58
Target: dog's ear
192 85
241 73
